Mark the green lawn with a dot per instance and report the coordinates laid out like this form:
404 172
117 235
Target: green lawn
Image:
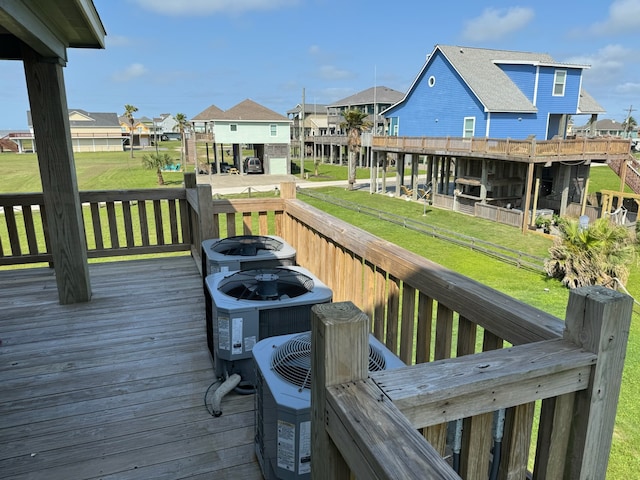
109 171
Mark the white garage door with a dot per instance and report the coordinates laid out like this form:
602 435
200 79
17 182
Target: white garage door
278 166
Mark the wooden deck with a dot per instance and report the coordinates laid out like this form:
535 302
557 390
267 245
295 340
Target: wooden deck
114 388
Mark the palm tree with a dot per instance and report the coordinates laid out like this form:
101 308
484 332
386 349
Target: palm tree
129 110
181 125
354 123
600 254
157 161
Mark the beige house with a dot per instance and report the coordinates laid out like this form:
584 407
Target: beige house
90 131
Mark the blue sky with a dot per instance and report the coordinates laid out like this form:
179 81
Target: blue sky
173 56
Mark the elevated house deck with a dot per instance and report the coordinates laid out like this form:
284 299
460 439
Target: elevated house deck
489 177
114 388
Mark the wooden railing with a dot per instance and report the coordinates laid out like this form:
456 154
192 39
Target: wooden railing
117 223
471 350
573 148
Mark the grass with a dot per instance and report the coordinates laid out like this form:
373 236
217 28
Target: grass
109 171
331 172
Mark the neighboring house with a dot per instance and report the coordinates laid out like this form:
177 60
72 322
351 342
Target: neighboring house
466 92
165 123
91 131
143 130
372 101
204 121
251 124
315 120
601 128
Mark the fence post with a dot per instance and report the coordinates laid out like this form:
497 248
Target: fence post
339 354
598 319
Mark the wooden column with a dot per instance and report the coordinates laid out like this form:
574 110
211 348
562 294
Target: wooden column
415 163
339 354
566 180
483 181
598 319
50 117
399 172
527 197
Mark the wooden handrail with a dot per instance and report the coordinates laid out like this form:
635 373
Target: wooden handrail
368 425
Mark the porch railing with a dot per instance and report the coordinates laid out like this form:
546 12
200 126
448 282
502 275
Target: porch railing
482 350
496 147
117 223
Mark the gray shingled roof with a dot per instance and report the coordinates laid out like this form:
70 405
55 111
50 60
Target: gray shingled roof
209 113
496 91
587 104
310 107
381 94
604 124
100 119
479 69
249 110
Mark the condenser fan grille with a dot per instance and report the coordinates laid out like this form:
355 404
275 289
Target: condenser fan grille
246 245
266 284
292 360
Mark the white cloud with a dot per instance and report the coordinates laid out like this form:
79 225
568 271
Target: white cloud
623 18
607 64
496 23
629 89
206 7
133 71
330 72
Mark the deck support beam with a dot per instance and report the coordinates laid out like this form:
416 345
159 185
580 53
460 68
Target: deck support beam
50 118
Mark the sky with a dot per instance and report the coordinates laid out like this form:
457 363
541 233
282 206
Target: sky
174 56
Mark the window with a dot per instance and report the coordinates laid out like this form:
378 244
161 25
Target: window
274 129
432 81
469 127
559 82
233 127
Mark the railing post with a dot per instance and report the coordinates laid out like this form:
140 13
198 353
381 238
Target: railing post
288 190
598 320
339 354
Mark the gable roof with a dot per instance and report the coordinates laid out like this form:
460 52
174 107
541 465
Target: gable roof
379 94
604 124
317 108
209 113
89 119
248 110
480 69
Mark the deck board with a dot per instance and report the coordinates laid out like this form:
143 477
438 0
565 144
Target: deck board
114 388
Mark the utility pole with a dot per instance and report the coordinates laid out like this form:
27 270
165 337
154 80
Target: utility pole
301 122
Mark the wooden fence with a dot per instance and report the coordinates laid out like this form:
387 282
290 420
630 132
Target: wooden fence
117 223
482 350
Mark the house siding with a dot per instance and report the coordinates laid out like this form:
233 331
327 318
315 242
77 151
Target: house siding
566 103
524 77
439 110
252 132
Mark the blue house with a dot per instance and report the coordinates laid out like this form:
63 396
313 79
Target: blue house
476 92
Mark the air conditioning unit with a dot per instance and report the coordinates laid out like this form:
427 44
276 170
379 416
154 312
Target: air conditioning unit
283 402
244 252
250 305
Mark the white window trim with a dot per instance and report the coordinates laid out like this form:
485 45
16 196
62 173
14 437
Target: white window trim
464 127
555 82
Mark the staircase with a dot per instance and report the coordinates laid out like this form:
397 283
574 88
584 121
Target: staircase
632 178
